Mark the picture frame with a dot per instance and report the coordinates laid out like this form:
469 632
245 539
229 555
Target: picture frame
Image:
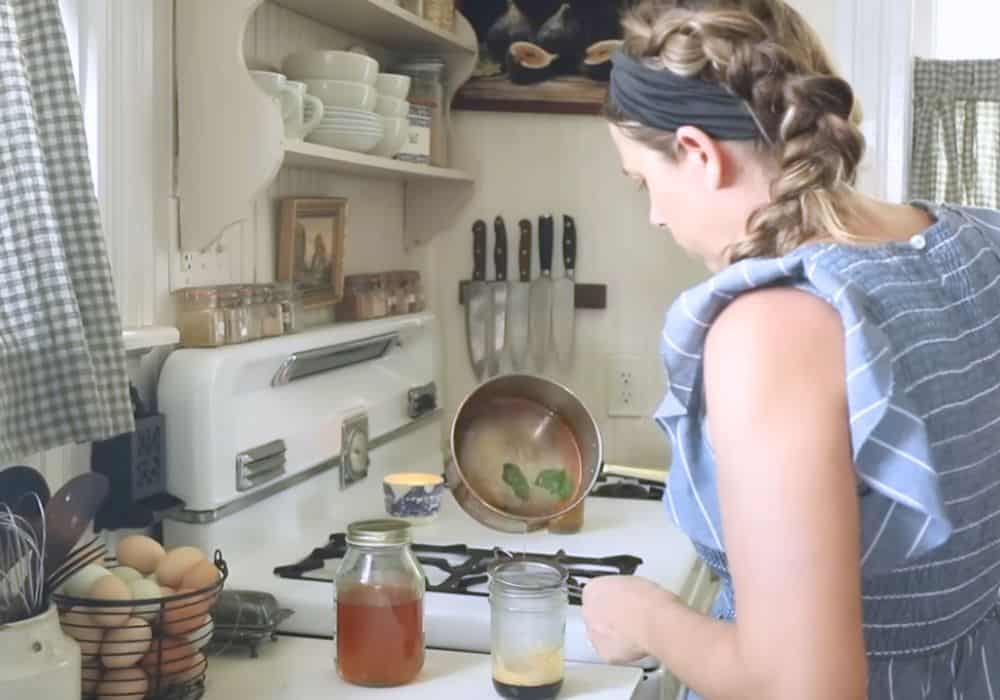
311 248
542 56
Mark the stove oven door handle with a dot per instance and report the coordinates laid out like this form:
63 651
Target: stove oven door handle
300 365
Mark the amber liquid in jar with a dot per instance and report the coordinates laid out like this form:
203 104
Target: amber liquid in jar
380 635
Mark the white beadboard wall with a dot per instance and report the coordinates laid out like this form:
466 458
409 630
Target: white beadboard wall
526 165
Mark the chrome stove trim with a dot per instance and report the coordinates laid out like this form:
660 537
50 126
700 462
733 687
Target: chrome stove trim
201 517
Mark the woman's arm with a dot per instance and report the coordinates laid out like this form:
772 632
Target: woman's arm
776 396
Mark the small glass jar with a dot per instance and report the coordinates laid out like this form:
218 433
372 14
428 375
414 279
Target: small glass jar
379 593
378 299
289 298
235 314
253 297
200 317
528 603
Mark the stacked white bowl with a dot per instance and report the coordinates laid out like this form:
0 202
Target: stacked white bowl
364 110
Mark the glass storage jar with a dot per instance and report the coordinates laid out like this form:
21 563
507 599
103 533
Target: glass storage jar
253 297
235 313
528 604
379 592
289 298
428 90
200 317
272 321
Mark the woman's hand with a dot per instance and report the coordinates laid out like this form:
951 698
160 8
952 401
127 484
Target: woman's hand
616 611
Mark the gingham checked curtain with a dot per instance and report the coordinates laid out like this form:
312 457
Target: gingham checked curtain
62 363
956 132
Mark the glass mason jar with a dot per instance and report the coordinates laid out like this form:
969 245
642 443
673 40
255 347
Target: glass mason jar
379 592
528 602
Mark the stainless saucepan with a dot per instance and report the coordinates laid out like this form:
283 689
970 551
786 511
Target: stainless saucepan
525 450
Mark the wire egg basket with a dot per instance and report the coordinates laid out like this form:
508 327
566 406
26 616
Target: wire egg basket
143 649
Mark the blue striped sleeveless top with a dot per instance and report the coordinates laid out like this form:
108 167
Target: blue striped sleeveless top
921 322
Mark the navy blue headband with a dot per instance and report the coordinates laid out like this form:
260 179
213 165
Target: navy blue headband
664 100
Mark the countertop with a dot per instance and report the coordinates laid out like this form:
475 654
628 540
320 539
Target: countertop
297 668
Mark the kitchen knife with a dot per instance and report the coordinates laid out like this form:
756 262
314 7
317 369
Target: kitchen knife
499 290
564 299
478 304
541 296
520 298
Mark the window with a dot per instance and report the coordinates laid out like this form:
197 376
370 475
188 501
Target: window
957 29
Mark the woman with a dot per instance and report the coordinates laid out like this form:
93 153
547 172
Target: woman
833 409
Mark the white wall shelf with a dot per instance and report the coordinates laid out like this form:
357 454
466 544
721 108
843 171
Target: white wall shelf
382 22
313 156
230 134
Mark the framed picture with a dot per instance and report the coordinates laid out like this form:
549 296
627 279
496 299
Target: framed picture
541 55
311 248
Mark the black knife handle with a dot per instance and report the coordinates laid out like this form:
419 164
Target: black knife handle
569 243
500 249
479 251
524 251
546 228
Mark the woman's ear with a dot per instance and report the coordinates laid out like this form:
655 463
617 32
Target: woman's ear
703 155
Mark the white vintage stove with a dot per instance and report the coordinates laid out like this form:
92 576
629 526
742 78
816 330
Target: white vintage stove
275 446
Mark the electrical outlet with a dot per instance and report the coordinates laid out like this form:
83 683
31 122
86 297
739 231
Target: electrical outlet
626 389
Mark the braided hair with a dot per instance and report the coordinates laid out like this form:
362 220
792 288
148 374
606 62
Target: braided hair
763 52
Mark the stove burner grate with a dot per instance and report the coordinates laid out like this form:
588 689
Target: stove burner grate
468 567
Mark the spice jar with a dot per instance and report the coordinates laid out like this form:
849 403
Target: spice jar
289 298
200 317
528 604
379 592
427 98
441 13
272 322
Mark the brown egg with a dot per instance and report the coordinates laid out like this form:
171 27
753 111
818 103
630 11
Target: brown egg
169 657
109 588
201 575
91 676
175 564
183 616
78 625
141 553
123 684
126 645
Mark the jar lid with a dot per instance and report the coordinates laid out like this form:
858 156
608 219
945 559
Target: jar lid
528 575
379 533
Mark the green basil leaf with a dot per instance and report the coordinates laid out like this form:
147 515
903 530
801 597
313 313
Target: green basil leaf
514 477
556 482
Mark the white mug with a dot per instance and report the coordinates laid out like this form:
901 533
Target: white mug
276 85
296 124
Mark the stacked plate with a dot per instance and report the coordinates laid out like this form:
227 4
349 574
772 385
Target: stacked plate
353 129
